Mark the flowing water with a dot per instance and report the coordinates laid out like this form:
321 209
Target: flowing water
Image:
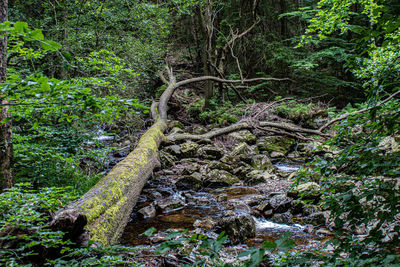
208 203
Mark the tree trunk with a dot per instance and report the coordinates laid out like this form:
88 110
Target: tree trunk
6 152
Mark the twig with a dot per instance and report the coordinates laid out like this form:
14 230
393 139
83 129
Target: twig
344 116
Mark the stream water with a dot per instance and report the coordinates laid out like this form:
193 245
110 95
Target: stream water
208 203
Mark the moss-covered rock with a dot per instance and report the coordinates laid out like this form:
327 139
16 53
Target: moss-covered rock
276 144
189 149
210 152
220 178
261 162
239 227
243 136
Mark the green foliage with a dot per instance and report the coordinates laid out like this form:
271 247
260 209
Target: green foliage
216 114
27 239
295 111
24 215
207 250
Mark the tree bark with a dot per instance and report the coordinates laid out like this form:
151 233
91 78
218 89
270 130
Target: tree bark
6 150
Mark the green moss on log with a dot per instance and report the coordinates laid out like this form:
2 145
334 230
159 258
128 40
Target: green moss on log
108 204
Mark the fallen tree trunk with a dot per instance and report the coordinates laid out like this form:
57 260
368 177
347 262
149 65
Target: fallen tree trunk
106 207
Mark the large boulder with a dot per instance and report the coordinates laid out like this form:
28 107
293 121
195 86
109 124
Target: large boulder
220 178
279 144
239 227
243 136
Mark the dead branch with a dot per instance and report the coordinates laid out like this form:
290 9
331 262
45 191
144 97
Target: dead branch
344 116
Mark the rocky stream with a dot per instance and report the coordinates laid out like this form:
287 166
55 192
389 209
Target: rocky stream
239 183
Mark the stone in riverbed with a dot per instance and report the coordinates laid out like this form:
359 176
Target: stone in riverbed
310 190
243 136
276 144
148 211
219 165
285 218
210 152
220 178
169 203
239 227
206 224
281 203
261 162
193 181
189 149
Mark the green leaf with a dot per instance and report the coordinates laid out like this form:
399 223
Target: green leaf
149 232
50 45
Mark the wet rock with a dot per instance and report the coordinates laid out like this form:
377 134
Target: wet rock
281 203
174 150
310 190
252 200
205 224
220 165
238 205
191 168
220 178
231 160
243 136
323 232
193 181
170 203
310 209
308 228
280 144
268 213
318 218
152 194
210 152
189 149
277 155
239 227
148 211
261 162
257 176
244 152
285 218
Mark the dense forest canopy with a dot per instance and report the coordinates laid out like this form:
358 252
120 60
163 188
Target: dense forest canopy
75 74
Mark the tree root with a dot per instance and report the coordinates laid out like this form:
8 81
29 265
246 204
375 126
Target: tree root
246 125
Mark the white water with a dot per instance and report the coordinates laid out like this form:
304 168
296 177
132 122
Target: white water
264 225
287 167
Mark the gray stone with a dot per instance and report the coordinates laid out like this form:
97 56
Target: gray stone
193 181
277 155
261 162
239 227
220 178
206 224
220 165
276 144
243 136
281 203
174 149
148 211
210 152
285 218
189 149
191 168
310 190
169 203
